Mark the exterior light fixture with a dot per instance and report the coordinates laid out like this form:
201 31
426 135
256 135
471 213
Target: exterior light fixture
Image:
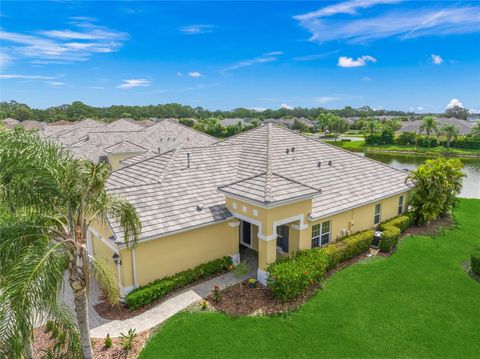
116 259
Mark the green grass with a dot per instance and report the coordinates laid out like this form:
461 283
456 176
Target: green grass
359 146
419 303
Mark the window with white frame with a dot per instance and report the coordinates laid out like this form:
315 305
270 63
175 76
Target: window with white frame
321 234
378 214
400 205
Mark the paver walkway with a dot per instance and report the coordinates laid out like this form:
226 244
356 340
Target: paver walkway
100 327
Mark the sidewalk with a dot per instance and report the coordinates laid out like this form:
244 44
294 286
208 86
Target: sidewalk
99 327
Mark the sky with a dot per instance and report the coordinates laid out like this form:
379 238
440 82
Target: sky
417 56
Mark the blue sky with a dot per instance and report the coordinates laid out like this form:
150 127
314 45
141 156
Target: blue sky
220 55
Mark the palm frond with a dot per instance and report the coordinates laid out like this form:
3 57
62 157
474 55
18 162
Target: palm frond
106 279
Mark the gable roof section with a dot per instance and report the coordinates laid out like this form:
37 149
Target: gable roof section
255 163
125 147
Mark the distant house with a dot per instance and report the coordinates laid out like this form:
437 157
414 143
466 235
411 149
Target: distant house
269 189
124 140
10 123
464 128
234 121
33 125
473 118
289 122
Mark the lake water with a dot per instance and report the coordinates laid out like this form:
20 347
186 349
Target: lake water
471 183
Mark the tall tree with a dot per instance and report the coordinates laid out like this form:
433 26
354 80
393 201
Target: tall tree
337 126
450 131
429 125
457 112
371 127
51 199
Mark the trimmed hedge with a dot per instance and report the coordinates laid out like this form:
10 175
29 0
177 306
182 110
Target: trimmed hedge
157 289
475 261
391 231
288 278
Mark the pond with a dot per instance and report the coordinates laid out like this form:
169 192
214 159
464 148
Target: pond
471 183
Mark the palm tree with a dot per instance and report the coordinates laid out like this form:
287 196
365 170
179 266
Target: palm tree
451 132
371 126
48 201
429 125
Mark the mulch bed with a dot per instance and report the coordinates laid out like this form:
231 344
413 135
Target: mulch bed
240 299
43 341
431 229
121 311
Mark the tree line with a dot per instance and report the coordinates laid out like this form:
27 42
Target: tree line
77 110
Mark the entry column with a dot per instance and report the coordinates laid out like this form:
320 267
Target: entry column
267 253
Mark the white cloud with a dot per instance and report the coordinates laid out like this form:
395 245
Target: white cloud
55 83
266 57
66 45
420 108
179 73
454 103
344 61
131 83
402 22
26 77
315 56
258 109
436 59
195 74
366 78
326 99
196 29
5 59
286 107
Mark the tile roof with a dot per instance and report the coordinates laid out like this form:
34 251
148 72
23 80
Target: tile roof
464 127
256 165
125 147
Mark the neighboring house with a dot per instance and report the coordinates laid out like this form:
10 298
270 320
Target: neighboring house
10 123
234 121
269 189
289 122
32 125
473 119
124 139
464 127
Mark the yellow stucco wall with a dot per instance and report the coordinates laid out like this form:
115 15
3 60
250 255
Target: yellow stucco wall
172 254
114 159
361 218
101 250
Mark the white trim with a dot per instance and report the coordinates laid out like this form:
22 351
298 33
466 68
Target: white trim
314 219
234 224
249 220
134 266
107 242
266 206
262 276
299 227
267 238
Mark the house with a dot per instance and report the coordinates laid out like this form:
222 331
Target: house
10 123
464 128
269 189
124 139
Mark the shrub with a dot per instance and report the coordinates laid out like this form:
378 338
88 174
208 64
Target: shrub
241 269
157 289
290 277
216 294
406 138
475 261
355 244
127 339
107 343
389 239
401 222
333 253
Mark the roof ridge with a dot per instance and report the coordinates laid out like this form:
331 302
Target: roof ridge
268 174
295 181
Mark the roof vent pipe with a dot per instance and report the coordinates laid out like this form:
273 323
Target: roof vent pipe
188 160
329 163
319 164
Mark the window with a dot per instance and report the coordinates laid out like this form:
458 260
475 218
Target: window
400 205
320 234
378 211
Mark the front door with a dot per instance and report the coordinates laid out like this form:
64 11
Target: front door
246 234
282 238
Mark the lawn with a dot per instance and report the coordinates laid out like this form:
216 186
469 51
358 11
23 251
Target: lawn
418 303
359 146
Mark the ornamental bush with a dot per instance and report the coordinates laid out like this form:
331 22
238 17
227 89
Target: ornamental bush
475 261
401 222
157 289
356 244
290 277
389 239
